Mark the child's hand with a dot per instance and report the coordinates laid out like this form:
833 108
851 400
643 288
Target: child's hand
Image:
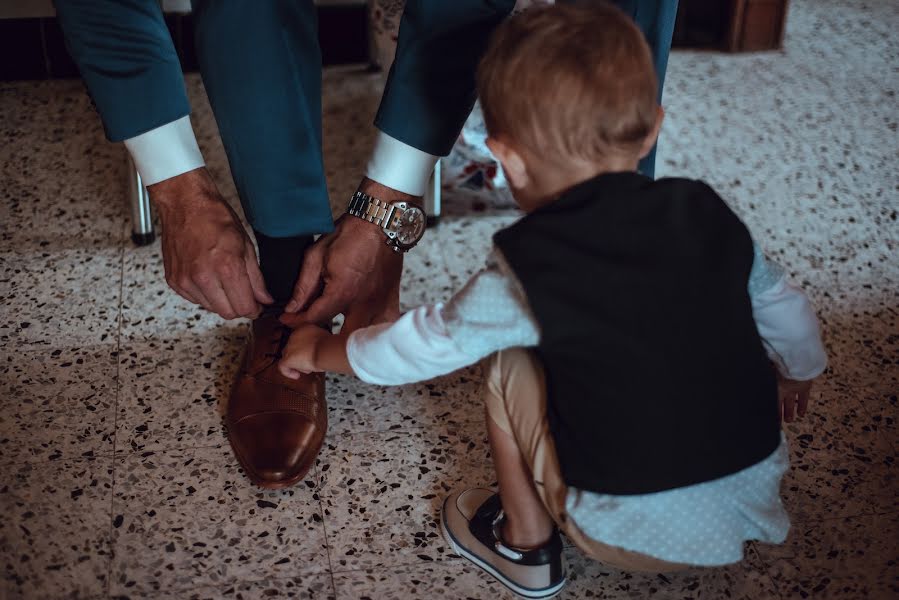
301 353
793 397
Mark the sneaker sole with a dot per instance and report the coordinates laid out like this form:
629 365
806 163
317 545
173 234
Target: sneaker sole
515 588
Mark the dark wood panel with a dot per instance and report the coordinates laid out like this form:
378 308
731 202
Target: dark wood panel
731 25
757 25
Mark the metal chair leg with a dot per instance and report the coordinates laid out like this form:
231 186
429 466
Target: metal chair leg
141 213
432 197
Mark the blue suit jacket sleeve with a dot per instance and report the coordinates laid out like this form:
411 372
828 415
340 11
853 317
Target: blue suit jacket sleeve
128 62
431 87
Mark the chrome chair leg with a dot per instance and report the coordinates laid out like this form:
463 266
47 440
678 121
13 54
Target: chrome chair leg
142 232
432 197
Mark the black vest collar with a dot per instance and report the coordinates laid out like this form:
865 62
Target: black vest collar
604 185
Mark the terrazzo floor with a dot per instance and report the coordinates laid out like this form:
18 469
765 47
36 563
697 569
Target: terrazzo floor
117 480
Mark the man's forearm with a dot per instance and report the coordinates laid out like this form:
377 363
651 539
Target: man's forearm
128 62
165 152
399 166
430 89
431 86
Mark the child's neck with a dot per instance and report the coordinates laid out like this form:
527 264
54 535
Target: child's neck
553 180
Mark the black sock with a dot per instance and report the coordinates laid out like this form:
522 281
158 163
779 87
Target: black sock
280 260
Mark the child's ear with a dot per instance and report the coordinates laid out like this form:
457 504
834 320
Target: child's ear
513 165
650 140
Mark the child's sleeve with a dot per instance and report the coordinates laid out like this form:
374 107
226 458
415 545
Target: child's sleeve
490 313
786 321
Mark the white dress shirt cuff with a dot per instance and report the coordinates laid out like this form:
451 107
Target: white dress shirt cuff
166 151
399 166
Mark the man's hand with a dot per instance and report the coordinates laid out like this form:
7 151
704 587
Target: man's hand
209 258
793 397
351 271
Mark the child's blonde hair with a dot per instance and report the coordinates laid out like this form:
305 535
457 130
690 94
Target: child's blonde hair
569 81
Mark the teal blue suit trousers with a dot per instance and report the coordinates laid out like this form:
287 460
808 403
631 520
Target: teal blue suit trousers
261 67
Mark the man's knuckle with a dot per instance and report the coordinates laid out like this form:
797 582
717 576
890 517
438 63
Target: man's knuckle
202 278
228 270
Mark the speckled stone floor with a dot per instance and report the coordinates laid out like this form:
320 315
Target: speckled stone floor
116 478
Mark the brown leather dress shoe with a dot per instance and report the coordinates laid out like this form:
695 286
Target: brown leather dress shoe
276 425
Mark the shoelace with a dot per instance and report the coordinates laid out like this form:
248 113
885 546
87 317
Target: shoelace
279 344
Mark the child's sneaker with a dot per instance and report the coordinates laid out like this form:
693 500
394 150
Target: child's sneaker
471 523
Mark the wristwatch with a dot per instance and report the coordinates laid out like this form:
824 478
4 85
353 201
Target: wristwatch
402 222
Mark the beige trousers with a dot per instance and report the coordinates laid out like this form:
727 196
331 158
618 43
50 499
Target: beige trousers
515 395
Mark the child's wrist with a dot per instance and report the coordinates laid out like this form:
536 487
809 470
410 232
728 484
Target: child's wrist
319 348
330 354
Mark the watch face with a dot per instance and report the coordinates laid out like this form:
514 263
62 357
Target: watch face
410 227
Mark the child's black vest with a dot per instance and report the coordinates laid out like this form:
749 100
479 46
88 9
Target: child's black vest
656 374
